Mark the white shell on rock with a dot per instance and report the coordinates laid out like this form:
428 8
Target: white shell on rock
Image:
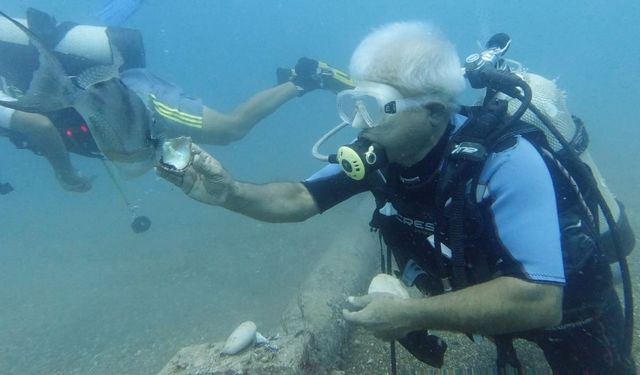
241 338
176 152
383 283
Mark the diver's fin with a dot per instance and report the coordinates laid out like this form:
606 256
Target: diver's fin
50 89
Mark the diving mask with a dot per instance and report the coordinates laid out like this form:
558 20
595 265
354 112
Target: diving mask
371 103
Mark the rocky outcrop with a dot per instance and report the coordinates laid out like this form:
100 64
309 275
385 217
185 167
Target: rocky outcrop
314 333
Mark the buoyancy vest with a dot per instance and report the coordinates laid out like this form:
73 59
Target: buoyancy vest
419 219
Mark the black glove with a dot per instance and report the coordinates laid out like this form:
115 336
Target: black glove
307 74
310 74
284 75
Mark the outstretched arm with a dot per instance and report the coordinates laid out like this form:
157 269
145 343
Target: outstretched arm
502 305
275 202
205 180
220 128
308 75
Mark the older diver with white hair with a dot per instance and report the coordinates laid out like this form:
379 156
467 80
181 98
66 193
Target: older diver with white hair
485 248
432 67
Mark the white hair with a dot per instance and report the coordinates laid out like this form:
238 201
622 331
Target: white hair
412 56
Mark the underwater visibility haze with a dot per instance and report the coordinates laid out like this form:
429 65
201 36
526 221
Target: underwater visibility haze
81 293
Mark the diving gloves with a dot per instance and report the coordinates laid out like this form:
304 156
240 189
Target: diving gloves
310 74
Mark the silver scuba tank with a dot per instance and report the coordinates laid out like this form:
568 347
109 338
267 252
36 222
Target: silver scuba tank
92 44
549 99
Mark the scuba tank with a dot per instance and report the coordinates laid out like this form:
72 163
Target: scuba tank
78 47
538 102
550 100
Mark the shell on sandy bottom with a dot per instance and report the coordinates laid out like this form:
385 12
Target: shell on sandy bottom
383 283
241 338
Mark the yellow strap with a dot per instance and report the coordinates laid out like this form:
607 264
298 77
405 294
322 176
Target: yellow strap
173 114
337 74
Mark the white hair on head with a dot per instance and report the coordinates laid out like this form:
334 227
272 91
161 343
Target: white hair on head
412 56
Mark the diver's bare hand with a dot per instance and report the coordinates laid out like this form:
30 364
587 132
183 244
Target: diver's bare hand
204 180
381 313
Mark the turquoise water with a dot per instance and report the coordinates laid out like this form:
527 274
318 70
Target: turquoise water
82 294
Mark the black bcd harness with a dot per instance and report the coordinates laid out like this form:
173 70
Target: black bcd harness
489 129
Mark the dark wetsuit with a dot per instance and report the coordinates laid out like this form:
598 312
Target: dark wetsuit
519 233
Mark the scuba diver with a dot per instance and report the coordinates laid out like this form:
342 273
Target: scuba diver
496 224
80 48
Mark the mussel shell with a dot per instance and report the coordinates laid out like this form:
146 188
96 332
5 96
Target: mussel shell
176 153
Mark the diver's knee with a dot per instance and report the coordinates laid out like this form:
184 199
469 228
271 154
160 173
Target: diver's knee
31 122
38 130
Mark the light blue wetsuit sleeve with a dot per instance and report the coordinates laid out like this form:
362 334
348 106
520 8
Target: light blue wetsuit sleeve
523 208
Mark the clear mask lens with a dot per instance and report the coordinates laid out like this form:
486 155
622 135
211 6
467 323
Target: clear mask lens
370 104
359 110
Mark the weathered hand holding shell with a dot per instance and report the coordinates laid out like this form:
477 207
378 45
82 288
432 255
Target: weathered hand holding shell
202 177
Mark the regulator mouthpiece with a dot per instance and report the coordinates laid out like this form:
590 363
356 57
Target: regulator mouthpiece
360 158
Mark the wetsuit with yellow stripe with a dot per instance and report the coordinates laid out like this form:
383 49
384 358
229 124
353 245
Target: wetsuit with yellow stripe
173 111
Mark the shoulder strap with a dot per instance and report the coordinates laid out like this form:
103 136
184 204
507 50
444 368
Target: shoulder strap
487 129
378 186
